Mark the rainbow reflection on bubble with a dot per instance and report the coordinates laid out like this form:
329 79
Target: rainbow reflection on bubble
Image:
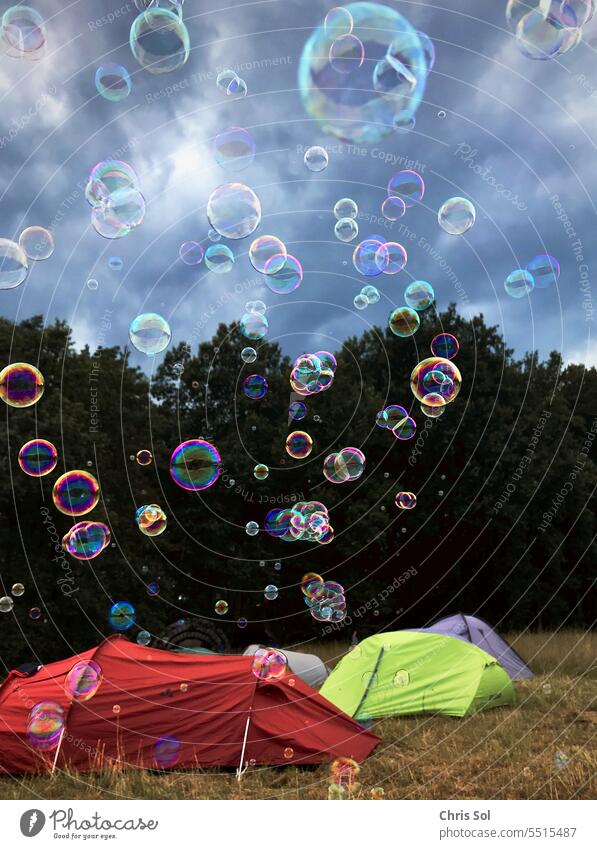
122 616
255 387
38 457
21 385
86 540
151 520
435 381
269 664
83 681
45 726
166 752
195 465
76 493
299 444
406 500
445 345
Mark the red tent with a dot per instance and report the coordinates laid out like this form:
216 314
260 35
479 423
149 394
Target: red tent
158 709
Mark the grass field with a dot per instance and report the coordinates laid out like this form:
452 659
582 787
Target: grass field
545 748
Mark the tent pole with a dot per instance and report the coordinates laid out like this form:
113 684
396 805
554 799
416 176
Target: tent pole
58 747
240 770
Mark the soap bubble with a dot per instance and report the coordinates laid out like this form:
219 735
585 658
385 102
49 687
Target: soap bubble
297 410
143 638
435 409
221 607
123 212
393 208
252 529
14 265
419 295
404 321
286 279
234 210
541 36
253 326
115 263
267 254
6 604
338 21
224 79
37 243
144 457
21 385
107 178
261 471
346 229
113 82
316 158
435 381
366 258
213 236
345 208
234 149
346 54
269 664
23 33
405 428
150 333
34 613
299 444
271 592
122 616
76 493
248 355
360 301
391 257
343 466
151 520
237 88
445 345
255 306
191 253
408 186
83 681
38 457
45 726
519 283
371 293
195 465
544 269
255 387
159 40
219 258
17 590
86 540
456 216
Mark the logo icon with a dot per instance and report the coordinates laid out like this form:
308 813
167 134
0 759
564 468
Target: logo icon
32 822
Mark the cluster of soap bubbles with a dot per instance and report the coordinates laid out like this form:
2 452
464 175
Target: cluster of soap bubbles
23 33
308 521
195 465
253 324
231 84
542 271
325 599
545 29
21 385
38 457
159 39
113 82
346 228
363 72
435 382
397 419
112 190
122 616
374 256
86 540
151 520
83 681
406 500
343 466
367 295
269 664
313 373
45 726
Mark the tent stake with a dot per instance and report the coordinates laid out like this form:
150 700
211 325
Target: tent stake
57 752
240 771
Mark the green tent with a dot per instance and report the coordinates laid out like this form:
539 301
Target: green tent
413 672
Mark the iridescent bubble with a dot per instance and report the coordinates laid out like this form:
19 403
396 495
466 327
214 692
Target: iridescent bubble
408 186
519 283
544 269
405 429
391 257
224 79
541 36
269 664
253 326
38 457
86 540
404 321
151 520
271 592
221 607
346 229
191 253
248 355
115 263
122 616
195 465
159 40
150 333
316 158
428 49
234 210
345 208
21 385
242 622
371 293
153 589
37 243
144 457
23 33
297 410
143 638
391 416
267 254
76 493
123 212
338 21
419 295
261 471
445 345
456 216
17 590
14 266
360 301
234 149
213 236
219 258
34 613
365 257
6 604
83 681
435 381
92 284
107 178
113 82
252 529
576 13
286 279
166 752
393 208
299 444
255 387
45 726
237 88
435 408
347 465
346 54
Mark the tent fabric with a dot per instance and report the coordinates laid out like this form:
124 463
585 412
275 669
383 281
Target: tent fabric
479 633
409 672
140 702
309 667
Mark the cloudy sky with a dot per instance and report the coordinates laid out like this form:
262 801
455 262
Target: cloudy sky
505 131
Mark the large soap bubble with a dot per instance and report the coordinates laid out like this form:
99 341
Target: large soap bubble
14 265
362 98
159 40
23 33
234 210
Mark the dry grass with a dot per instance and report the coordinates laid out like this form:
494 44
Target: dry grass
499 754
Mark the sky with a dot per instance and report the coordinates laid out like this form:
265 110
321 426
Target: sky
513 135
